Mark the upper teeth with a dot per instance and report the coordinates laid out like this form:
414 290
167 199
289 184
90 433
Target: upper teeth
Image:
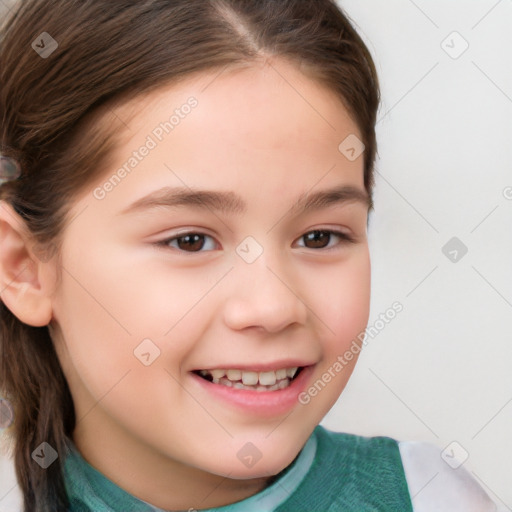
248 378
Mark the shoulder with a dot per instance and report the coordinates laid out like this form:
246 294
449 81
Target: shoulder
361 451
436 485
365 473
345 440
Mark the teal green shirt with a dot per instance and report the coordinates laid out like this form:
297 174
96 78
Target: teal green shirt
333 472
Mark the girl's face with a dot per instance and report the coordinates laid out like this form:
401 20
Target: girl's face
231 247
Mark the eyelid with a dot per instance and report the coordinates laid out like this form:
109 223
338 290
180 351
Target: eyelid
164 243
346 238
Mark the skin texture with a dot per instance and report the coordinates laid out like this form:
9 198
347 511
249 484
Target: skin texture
270 134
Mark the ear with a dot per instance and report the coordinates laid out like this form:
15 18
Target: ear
21 288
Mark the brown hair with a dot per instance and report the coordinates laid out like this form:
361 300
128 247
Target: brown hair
53 115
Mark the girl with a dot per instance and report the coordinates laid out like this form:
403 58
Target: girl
183 259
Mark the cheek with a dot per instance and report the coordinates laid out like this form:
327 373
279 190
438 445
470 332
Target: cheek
153 295
343 310
342 295
109 306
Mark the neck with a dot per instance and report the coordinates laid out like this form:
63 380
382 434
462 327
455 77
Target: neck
152 477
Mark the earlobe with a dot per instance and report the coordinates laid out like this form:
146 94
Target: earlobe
20 271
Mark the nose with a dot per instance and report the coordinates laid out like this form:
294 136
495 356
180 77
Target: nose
263 296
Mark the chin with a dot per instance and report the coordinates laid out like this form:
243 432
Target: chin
267 465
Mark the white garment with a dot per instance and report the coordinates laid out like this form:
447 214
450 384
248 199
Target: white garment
435 486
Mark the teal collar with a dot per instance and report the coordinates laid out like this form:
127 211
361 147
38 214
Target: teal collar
89 490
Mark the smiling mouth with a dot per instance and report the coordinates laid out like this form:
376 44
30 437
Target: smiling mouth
251 380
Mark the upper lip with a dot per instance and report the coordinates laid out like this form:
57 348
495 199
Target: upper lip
260 367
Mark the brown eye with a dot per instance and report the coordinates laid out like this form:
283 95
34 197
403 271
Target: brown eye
321 238
318 239
189 242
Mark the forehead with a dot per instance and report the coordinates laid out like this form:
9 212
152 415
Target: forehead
233 129
271 99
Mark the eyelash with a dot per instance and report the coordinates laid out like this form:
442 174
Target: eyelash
345 239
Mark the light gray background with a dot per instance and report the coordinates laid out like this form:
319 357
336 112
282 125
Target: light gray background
440 371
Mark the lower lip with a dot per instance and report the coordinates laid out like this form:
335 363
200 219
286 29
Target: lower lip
261 403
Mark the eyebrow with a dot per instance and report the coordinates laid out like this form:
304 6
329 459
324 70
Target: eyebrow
231 203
